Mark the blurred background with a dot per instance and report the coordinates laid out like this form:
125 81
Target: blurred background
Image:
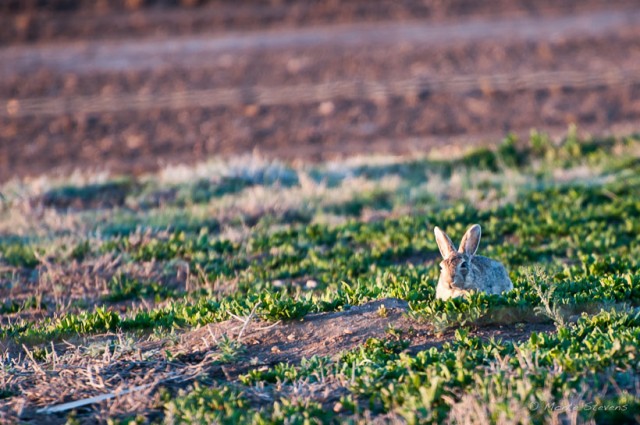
131 85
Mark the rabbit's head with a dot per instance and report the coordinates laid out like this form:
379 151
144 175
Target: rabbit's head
456 269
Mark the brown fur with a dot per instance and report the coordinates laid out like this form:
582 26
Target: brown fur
480 274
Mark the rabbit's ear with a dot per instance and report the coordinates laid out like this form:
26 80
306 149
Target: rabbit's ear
444 243
470 240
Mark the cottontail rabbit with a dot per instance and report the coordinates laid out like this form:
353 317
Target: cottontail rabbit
462 271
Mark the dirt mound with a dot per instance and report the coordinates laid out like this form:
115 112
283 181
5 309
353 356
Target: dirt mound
329 334
323 334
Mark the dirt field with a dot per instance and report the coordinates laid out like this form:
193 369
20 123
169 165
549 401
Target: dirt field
136 85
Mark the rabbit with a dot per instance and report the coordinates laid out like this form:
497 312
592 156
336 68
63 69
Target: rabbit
462 271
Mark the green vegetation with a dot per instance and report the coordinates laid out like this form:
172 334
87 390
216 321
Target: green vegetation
167 254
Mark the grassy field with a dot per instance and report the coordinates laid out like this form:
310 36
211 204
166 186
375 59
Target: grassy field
257 291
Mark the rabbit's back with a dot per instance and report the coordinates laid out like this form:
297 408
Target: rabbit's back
490 276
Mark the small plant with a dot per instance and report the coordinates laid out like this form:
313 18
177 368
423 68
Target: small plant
229 349
453 313
80 251
548 306
18 255
394 332
444 321
123 288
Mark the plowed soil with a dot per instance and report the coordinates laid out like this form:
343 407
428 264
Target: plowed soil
135 85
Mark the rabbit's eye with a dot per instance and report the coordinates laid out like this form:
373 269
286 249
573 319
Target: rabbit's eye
463 265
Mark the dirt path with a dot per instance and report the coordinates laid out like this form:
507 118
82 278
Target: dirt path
133 55
366 83
32 22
